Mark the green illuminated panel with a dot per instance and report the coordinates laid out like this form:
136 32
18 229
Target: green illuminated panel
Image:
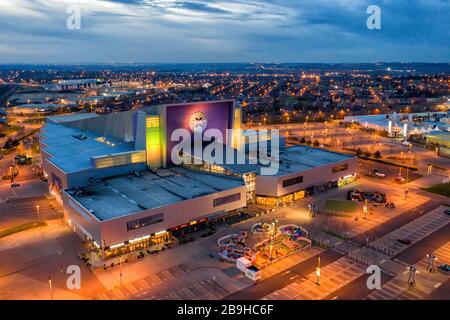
153 141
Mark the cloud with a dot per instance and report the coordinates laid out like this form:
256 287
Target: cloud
223 30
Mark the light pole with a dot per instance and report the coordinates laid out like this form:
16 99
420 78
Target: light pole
120 266
365 208
60 261
38 213
431 260
318 271
50 287
412 275
407 181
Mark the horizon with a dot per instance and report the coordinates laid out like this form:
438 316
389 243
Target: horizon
193 31
221 63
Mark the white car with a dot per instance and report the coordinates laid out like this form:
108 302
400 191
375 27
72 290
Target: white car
378 173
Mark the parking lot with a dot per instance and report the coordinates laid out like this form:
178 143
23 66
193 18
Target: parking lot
386 172
426 282
398 240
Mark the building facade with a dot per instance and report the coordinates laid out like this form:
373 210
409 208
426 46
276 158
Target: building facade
120 188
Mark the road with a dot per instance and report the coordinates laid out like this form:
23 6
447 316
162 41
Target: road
301 270
425 246
265 287
357 289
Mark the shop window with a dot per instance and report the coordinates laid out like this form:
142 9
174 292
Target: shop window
267 201
287 198
299 195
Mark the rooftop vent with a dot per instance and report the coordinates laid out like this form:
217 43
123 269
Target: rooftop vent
80 137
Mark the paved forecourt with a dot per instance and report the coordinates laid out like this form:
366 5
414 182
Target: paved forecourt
426 282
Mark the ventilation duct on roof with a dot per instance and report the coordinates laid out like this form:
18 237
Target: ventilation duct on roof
80 137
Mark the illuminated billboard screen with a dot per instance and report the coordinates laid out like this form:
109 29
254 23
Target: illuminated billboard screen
197 117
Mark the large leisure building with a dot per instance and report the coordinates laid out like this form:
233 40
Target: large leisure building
121 189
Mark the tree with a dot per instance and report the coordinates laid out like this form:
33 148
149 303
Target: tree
377 154
303 140
308 142
367 154
316 143
359 152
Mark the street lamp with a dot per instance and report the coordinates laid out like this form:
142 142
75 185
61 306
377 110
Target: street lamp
407 181
50 287
60 261
365 208
38 213
431 260
412 275
318 271
120 266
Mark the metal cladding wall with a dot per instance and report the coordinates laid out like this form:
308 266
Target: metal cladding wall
273 185
115 230
119 125
218 114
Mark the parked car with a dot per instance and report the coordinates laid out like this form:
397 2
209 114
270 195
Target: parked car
445 268
13 185
404 241
379 173
447 212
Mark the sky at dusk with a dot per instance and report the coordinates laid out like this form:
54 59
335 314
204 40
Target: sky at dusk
34 31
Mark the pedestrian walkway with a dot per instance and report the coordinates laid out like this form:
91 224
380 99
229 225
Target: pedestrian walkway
203 290
289 262
145 284
426 282
333 277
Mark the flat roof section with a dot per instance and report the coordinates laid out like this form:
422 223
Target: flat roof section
71 149
292 160
71 117
124 195
301 158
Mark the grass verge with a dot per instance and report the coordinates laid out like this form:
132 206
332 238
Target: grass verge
443 189
20 228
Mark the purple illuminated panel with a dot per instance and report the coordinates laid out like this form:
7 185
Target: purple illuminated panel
198 116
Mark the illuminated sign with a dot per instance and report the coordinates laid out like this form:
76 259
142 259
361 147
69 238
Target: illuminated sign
198 122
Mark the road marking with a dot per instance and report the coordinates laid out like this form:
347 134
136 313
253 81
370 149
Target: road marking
437 285
286 272
292 278
142 294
